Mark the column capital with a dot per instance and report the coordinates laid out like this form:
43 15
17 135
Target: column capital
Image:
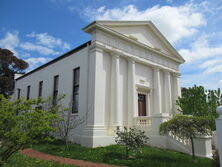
167 72
129 59
114 54
95 49
176 74
155 68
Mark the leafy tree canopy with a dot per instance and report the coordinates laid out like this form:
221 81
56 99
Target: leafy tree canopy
22 124
193 101
9 65
200 102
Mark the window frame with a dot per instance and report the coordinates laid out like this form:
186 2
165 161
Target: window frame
75 92
55 89
40 88
18 93
28 92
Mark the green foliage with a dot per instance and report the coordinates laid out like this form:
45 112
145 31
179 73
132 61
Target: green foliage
133 139
115 154
18 160
214 99
22 124
193 101
198 102
186 127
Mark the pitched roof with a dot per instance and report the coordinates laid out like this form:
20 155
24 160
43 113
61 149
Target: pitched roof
57 59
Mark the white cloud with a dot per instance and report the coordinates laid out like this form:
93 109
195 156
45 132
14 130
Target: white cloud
35 62
49 41
174 22
38 48
200 50
10 41
44 44
214 69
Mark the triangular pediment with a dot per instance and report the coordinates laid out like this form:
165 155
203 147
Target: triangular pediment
145 33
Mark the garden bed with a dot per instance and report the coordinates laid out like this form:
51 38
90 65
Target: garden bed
114 154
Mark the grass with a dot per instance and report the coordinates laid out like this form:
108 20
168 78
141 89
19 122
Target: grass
114 154
19 160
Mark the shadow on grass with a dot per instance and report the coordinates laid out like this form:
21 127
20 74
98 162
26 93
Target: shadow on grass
111 156
157 158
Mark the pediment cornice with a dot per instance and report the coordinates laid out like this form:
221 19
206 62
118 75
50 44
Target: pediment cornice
97 25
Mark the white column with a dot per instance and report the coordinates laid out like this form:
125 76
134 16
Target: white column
158 116
96 113
131 92
219 130
157 92
177 91
149 97
167 94
177 85
116 113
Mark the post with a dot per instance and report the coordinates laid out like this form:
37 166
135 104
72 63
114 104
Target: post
219 130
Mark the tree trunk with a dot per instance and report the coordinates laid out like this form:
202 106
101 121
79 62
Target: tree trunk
127 153
192 145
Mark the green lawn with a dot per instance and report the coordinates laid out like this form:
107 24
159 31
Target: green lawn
19 160
114 154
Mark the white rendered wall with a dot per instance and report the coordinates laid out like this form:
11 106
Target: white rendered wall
63 68
143 34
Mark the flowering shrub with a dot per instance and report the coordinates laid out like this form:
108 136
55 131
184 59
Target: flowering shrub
133 139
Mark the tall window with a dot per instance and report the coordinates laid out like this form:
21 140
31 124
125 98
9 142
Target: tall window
40 88
75 99
28 92
55 89
19 92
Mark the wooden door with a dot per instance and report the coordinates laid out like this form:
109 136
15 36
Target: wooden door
142 104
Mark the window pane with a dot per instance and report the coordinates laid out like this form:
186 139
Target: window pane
19 91
75 100
28 92
76 76
55 89
40 88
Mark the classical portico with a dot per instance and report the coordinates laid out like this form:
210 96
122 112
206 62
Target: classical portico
126 75
136 79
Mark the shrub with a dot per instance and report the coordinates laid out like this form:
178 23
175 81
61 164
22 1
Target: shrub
186 127
216 162
22 124
133 139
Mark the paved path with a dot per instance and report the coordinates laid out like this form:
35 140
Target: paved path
43 156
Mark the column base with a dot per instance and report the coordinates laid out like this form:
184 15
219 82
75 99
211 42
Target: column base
95 136
156 139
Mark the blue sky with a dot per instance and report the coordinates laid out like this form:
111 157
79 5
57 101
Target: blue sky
40 30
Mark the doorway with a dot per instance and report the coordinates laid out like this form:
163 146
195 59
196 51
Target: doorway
142 104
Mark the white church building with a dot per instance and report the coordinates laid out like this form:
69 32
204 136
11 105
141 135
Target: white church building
127 75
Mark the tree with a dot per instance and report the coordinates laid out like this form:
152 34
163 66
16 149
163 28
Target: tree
67 123
186 127
133 139
9 65
23 124
193 101
214 99
200 102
